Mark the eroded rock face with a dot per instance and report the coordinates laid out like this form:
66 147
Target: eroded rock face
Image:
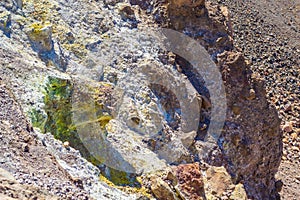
245 143
246 139
248 149
41 37
100 47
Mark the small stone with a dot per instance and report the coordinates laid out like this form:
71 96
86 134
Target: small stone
218 180
252 95
287 127
231 187
220 40
225 12
284 158
236 110
239 193
27 138
190 181
294 136
161 189
270 71
171 176
295 149
285 140
25 148
278 185
41 37
287 107
126 11
66 144
206 104
188 138
203 127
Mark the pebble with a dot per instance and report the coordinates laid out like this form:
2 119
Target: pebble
278 185
295 148
252 94
284 158
25 148
287 127
287 107
294 136
66 144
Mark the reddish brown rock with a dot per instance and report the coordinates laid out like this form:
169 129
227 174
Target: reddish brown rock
190 181
287 127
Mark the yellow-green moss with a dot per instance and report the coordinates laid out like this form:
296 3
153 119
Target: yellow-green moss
104 120
119 177
37 27
131 190
43 9
58 107
38 119
79 50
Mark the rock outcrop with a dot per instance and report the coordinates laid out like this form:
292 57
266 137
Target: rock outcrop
98 78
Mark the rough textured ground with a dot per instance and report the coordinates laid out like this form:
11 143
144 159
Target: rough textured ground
268 32
22 154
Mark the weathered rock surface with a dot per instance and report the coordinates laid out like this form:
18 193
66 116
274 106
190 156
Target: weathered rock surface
246 139
95 76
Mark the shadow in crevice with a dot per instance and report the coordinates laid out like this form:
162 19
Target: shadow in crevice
199 84
40 37
170 105
59 60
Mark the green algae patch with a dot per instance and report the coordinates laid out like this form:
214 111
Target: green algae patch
57 119
58 107
38 119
